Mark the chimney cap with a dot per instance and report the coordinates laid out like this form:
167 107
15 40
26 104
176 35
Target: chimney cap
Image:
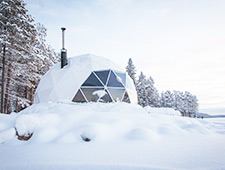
63 28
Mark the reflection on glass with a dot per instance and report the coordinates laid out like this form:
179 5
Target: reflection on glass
114 81
122 76
96 95
126 98
102 75
116 94
92 89
79 97
92 80
106 98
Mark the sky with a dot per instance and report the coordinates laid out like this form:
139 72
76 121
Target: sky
180 43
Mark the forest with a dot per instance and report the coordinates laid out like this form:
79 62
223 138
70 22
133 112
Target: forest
26 57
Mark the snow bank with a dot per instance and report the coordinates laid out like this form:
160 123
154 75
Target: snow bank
109 136
63 122
7 131
164 111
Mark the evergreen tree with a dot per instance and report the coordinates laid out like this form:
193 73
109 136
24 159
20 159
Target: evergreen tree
141 90
25 55
186 103
40 59
194 107
147 93
17 35
152 93
131 70
190 105
178 101
167 99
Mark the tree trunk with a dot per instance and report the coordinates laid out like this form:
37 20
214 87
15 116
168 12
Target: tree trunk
7 102
32 93
17 106
9 107
3 78
26 91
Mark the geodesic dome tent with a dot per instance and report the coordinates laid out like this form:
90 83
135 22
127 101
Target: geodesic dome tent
86 78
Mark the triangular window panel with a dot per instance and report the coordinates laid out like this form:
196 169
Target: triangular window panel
116 94
114 81
96 95
122 76
92 80
106 98
79 97
126 98
102 75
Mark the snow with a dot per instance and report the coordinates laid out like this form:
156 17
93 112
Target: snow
109 136
162 110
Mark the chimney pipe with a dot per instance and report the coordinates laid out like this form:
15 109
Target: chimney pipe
63 51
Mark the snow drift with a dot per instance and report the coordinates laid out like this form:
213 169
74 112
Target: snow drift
109 136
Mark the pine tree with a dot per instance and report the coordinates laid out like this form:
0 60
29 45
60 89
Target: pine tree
17 34
178 101
147 93
131 70
25 55
167 99
190 105
194 106
152 93
40 59
141 90
186 103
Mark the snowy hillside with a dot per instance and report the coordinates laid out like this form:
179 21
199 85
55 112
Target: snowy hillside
109 136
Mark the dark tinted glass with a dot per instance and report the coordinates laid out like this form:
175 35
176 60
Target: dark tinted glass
102 75
79 97
122 76
126 98
92 81
96 95
106 98
114 81
116 94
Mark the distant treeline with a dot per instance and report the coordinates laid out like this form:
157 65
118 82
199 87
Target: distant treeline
148 95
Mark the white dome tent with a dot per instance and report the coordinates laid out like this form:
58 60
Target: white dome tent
86 78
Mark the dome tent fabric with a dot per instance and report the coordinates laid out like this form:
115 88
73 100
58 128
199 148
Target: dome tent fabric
86 78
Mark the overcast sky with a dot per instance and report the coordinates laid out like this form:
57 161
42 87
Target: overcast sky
180 43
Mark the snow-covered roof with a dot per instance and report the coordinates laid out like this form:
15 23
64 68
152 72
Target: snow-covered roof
63 84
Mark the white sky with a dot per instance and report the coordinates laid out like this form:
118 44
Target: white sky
180 43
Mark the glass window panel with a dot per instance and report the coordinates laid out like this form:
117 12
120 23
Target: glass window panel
96 95
79 97
114 81
122 76
126 98
116 94
106 98
92 80
102 75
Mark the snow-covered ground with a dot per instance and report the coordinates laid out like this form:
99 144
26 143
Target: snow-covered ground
122 136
